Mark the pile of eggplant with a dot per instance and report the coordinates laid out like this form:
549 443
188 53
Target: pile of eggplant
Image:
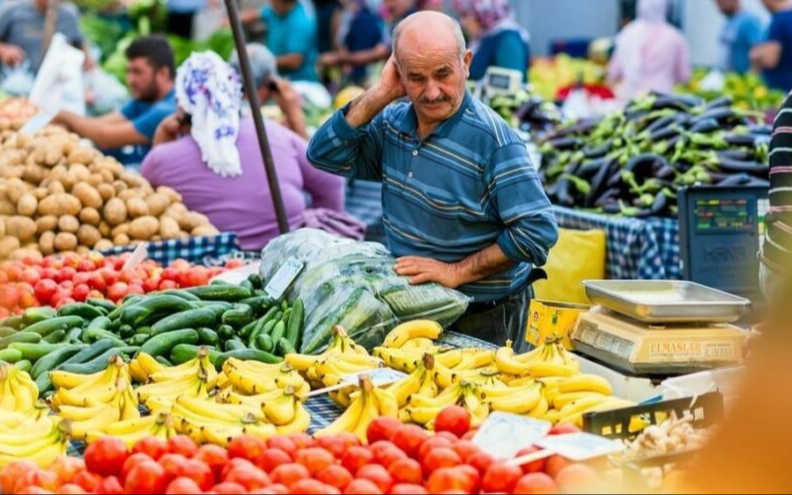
633 162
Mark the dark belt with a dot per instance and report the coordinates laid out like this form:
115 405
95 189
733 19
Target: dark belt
536 275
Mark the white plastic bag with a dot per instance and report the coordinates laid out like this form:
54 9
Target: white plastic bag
59 83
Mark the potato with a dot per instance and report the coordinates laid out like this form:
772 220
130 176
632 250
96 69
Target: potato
132 180
2 227
95 180
170 193
192 220
121 240
157 238
68 223
104 229
144 228
137 207
83 251
157 204
65 241
81 154
107 176
46 224
106 191
7 208
59 205
20 254
176 210
23 228
120 186
27 205
40 194
205 230
104 245
88 236
47 243
121 229
115 212
15 190
56 187
169 228
34 174
8 244
88 196
90 216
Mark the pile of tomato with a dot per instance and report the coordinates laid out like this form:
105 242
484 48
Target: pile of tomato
58 280
399 459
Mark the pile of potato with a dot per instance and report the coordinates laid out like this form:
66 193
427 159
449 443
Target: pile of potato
14 112
58 195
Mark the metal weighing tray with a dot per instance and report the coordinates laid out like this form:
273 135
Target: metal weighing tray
660 301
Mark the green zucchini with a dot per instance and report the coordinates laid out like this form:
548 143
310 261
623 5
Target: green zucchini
55 359
45 328
27 338
55 337
234 345
161 345
279 331
208 336
32 316
34 352
266 329
6 332
296 321
126 332
285 347
161 360
15 322
225 332
265 343
74 336
100 323
10 356
85 311
218 307
162 305
249 329
221 292
239 316
90 352
180 293
104 304
260 304
138 339
255 280
195 318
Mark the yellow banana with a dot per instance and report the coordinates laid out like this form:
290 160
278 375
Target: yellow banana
130 426
63 379
7 399
43 456
449 358
586 383
423 415
580 406
563 400
540 410
507 362
474 359
419 344
137 373
370 413
108 415
412 330
522 403
546 369
346 422
281 411
300 424
386 403
403 389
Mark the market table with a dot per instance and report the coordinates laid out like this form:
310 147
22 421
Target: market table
205 249
646 249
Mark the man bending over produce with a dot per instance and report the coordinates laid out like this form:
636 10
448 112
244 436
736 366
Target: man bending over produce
463 205
150 73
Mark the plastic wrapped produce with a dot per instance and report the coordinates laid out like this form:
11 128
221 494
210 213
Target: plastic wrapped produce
353 284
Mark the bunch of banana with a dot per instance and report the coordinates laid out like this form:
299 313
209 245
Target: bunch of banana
40 440
367 404
331 371
143 366
475 366
423 410
133 430
11 419
422 381
524 400
254 378
342 344
18 392
195 378
86 419
90 390
549 360
206 421
401 336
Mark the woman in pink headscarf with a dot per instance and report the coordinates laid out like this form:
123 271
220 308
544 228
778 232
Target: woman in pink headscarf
651 54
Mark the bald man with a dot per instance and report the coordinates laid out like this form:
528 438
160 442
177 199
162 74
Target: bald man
463 206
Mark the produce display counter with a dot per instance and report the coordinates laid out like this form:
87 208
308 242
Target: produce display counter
200 249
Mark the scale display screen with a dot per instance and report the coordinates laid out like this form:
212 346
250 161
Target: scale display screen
724 214
499 81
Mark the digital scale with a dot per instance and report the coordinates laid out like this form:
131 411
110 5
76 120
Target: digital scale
660 328
498 81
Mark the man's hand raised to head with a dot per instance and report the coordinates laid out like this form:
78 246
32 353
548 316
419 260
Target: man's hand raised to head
385 92
390 85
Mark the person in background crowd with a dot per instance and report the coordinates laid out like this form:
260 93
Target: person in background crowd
270 86
22 31
463 204
326 23
651 54
774 56
150 71
742 31
181 14
291 36
398 10
435 5
498 40
211 156
362 40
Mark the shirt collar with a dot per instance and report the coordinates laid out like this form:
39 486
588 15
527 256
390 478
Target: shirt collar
409 124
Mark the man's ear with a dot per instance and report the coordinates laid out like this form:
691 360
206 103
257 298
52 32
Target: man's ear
468 61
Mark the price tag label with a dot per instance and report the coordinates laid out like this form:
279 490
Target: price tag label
503 435
138 255
37 123
282 280
239 275
379 377
580 447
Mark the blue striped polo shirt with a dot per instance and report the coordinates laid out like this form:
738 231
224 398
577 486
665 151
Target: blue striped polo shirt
468 185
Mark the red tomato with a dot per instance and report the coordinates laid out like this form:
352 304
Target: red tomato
377 475
109 276
382 429
96 282
246 447
577 477
228 489
362 487
10 475
38 479
197 276
501 478
288 474
132 461
95 294
349 439
448 436
405 489
315 459
564 429
170 274
473 477
182 444
81 292
355 458
532 467
151 284
110 486
66 468
174 466
86 265
409 439
466 449
4 313
27 300
308 487
454 419
117 291
199 472
440 458
275 490
65 274
213 456
81 278
72 260
448 480
335 475
106 457
71 489
272 458
9 298
136 288
385 453
182 486
152 446
302 441
88 481
334 444
406 471
556 464
147 477
481 461
34 490
235 263
30 276
168 285
432 444
536 484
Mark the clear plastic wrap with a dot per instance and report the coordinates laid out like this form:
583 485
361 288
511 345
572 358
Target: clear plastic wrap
353 284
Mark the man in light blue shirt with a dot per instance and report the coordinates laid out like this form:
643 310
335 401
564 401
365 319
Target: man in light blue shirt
463 205
742 31
291 36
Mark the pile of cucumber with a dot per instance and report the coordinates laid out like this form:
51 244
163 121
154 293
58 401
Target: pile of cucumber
231 321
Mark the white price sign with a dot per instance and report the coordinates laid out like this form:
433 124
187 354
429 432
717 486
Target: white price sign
504 435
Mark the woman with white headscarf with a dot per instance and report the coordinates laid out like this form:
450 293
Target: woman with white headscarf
651 54
211 156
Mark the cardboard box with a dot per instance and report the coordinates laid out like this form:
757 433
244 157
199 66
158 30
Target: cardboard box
548 319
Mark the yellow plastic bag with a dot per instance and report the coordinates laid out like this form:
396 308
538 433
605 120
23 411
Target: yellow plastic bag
578 256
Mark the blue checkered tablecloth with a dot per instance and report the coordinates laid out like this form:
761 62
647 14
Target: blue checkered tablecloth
195 250
646 249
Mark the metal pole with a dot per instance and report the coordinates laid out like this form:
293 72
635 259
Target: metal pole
252 94
50 27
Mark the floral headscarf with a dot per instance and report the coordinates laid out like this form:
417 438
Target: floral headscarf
209 90
488 13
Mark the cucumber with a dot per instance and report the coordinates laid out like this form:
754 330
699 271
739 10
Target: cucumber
55 359
247 284
295 325
279 331
248 355
104 304
73 336
217 306
126 332
260 304
24 365
99 363
34 352
6 332
249 329
162 305
139 339
239 316
262 325
180 293
55 337
161 345
265 343
15 322
195 318
161 360
85 311
128 301
144 331
183 353
225 332
208 336
285 305
45 328
23 337
10 356
100 323
255 280
234 345
90 352
285 347
32 316
221 292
